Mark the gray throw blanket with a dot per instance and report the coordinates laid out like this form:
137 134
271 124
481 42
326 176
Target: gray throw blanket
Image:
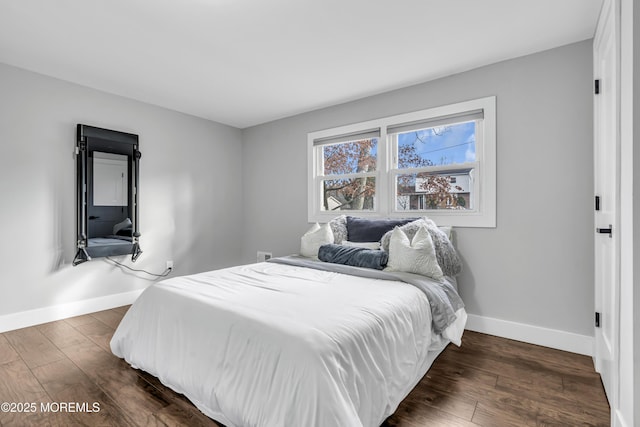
443 297
354 256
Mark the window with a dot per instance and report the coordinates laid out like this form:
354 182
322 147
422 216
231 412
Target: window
439 162
347 166
434 161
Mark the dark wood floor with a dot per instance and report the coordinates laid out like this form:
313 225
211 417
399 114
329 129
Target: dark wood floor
488 381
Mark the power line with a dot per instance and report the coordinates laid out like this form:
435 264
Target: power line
446 148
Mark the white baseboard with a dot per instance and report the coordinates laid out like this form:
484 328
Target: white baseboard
617 420
23 319
553 338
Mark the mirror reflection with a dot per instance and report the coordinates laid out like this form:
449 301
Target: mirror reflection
108 208
107 173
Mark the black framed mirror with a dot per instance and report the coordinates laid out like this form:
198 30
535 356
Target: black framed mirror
107 165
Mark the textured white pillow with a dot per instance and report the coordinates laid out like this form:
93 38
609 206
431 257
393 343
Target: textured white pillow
366 245
317 236
416 256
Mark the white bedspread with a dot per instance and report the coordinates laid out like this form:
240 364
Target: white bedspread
278 345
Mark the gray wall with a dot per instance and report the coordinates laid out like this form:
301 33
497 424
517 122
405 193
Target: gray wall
635 306
190 181
536 266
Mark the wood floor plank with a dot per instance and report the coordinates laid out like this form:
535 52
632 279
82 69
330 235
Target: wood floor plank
457 379
513 365
7 352
59 376
116 379
100 365
176 415
62 334
110 318
101 409
460 375
586 389
453 403
139 399
181 408
18 386
494 415
80 320
513 406
98 332
547 358
65 382
581 410
33 347
122 309
413 414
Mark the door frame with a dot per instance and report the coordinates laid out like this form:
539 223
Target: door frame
608 26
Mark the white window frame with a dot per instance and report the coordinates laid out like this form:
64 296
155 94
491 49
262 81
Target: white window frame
483 213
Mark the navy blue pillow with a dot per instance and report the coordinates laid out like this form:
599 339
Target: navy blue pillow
371 230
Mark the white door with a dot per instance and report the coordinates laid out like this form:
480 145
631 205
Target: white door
110 179
607 186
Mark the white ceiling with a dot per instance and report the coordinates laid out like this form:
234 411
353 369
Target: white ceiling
245 62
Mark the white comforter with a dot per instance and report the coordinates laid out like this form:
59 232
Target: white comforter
278 345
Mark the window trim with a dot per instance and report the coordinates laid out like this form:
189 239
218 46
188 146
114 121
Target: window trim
484 215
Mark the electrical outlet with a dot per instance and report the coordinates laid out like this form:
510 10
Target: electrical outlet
263 256
169 265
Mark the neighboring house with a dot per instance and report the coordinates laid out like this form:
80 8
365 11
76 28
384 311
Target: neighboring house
419 197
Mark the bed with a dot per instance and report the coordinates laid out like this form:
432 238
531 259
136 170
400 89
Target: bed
106 244
294 341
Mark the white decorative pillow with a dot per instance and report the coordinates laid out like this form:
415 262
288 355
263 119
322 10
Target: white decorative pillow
413 256
317 236
366 245
448 258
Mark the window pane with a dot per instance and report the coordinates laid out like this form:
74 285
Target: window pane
426 191
350 157
348 194
439 145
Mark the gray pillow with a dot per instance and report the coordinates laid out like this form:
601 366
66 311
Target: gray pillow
339 228
122 225
371 230
446 254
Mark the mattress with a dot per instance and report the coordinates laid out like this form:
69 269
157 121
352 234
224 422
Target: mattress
275 344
